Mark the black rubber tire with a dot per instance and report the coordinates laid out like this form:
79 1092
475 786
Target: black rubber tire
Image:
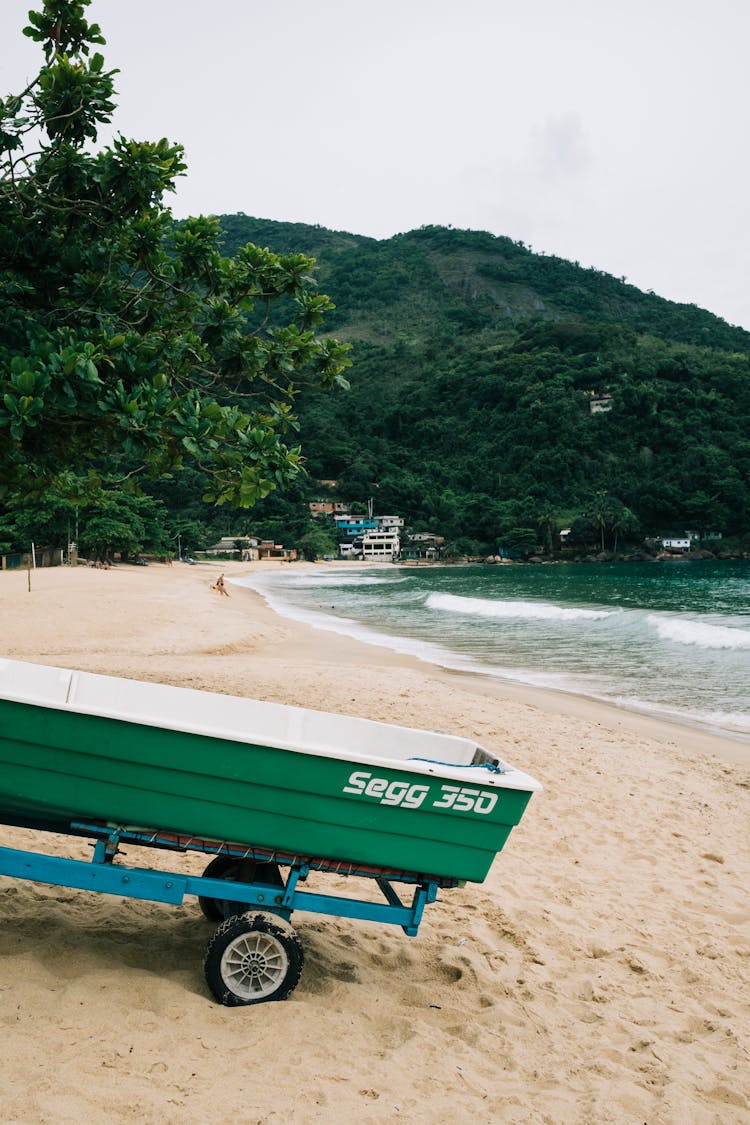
220 867
235 870
253 958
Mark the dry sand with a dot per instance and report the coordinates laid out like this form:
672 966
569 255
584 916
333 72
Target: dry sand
600 974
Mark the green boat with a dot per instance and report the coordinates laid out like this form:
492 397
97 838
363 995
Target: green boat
76 747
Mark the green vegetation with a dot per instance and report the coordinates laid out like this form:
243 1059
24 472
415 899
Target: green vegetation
475 362
129 345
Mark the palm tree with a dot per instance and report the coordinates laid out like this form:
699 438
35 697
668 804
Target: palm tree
598 512
546 525
622 521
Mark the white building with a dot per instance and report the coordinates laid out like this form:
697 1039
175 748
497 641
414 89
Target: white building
381 545
676 543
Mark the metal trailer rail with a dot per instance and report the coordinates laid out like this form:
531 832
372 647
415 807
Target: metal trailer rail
255 954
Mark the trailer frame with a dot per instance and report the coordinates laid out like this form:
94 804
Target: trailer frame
255 954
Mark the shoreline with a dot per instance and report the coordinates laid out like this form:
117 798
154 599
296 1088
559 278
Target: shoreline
696 737
599 974
317 642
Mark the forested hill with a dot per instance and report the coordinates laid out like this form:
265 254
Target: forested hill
475 362
411 285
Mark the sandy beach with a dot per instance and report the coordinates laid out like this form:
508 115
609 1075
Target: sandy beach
601 974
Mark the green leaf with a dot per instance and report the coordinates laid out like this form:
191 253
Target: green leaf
24 382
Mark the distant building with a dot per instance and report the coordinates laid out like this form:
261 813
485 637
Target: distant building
676 543
242 547
704 535
423 545
352 526
685 540
600 404
350 549
38 556
267 549
381 545
368 537
324 507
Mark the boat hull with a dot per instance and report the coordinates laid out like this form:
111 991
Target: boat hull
59 765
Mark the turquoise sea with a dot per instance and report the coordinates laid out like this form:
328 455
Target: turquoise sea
668 638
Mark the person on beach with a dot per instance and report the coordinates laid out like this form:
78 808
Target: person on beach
221 587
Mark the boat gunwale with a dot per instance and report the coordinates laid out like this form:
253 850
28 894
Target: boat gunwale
509 778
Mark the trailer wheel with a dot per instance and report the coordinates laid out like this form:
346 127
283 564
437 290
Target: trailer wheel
251 958
235 870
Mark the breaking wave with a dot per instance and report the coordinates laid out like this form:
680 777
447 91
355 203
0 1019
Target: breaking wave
667 643
490 607
684 632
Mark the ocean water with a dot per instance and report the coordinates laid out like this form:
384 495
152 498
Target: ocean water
670 638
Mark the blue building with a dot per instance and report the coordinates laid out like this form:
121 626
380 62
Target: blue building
352 526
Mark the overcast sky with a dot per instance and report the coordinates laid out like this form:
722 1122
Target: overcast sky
610 132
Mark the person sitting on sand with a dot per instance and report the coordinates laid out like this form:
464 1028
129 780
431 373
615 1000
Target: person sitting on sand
221 587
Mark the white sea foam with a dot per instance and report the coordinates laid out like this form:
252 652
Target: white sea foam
595 680
729 723
683 631
486 607
345 626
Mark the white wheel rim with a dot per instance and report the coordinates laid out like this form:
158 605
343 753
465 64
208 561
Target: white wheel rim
254 965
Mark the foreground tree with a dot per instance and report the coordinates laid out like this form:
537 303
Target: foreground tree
128 343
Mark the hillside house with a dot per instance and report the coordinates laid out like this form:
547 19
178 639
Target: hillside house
704 536
326 507
390 523
353 526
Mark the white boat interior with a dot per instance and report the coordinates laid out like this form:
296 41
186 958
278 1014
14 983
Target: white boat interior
252 721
